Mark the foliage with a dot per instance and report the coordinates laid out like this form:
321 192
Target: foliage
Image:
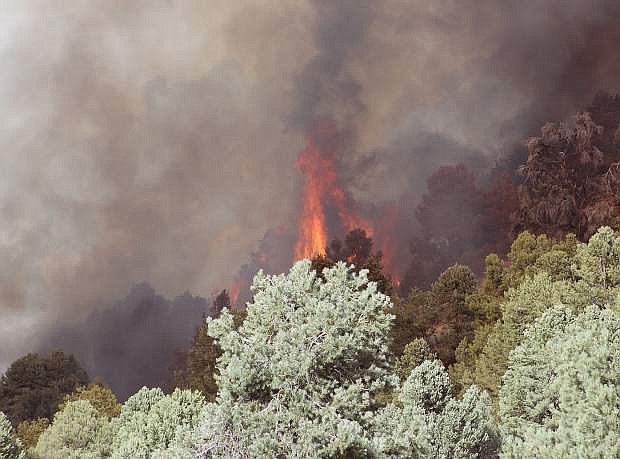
447 215
412 316
460 222
440 315
356 250
308 370
299 374
30 431
153 424
454 285
33 385
198 369
464 371
10 446
561 394
77 432
100 397
523 305
530 254
494 282
415 352
221 301
428 422
547 273
571 178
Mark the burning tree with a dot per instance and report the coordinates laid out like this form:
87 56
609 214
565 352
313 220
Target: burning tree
323 192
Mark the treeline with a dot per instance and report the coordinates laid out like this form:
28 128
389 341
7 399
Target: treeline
564 181
525 363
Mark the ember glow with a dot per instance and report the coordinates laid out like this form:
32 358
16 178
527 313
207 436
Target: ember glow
322 189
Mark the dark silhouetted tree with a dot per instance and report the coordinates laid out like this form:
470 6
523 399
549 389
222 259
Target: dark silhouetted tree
356 250
449 215
33 386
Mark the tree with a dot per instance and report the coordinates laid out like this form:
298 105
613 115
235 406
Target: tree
428 422
415 352
413 316
33 386
500 200
450 224
542 273
30 431
440 316
222 300
356 250
77 432
152 424
297 377
560 395
197 370
10 446
100 397
523 305
449 209
454 285
530 254
570 179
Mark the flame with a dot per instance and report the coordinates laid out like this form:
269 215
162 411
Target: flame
234 292
322 186
313 227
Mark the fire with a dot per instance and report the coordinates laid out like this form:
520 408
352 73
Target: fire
322 187
313 226
235 290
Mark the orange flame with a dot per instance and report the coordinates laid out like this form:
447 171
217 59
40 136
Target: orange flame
317 170
235 290
318 164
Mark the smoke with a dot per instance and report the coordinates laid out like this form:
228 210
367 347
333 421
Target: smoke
156 141
133 342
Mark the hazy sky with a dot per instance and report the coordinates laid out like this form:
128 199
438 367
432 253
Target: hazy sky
156 140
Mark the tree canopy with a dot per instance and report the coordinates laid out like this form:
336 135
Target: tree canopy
34 385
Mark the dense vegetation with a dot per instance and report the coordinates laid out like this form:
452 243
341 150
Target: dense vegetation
517 359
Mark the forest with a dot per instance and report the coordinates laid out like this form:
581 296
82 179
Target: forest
501 340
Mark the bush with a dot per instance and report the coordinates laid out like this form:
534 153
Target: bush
78 431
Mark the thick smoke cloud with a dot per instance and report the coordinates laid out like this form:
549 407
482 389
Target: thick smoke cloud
133 342
156 141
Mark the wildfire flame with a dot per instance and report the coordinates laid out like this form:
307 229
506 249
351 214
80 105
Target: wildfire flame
235 290
318 170
322 186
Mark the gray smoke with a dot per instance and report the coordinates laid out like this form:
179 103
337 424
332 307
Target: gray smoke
156 140
133 343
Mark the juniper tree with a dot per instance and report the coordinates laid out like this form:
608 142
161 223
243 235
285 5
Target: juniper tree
152 424
299 376
561 393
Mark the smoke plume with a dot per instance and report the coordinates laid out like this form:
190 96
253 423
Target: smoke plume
156 141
